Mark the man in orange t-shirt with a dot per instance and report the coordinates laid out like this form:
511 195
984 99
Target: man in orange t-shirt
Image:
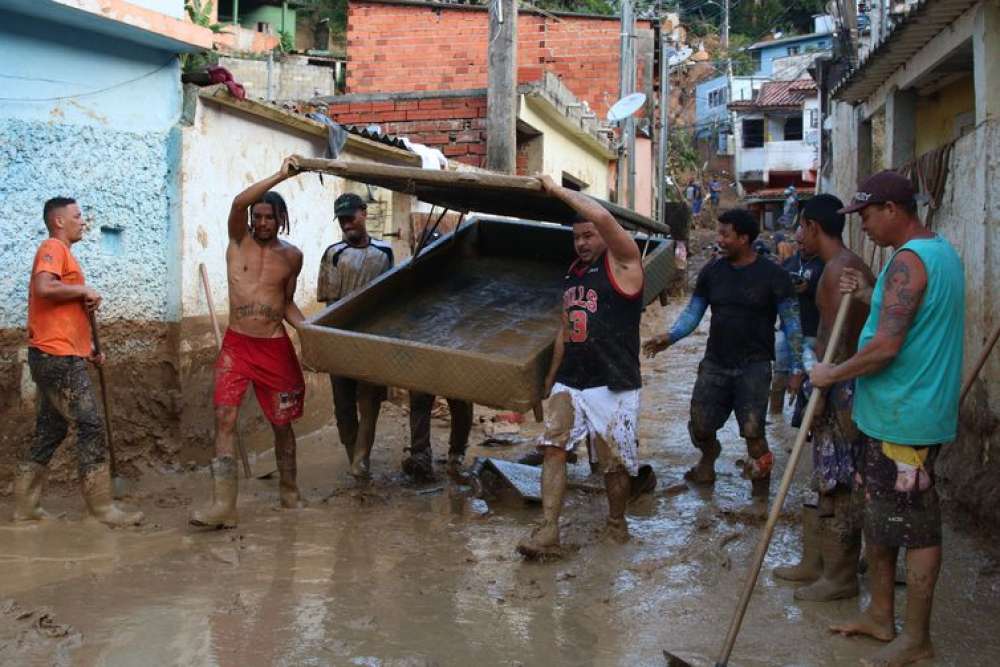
59 345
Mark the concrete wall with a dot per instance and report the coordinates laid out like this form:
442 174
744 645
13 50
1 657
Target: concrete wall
292 77
563 153
768 54
937 114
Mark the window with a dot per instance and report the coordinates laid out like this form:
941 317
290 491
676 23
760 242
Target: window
793 128
755 60
793 50
813 119
717 97
753 133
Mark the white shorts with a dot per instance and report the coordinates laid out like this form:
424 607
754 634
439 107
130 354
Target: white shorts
609 418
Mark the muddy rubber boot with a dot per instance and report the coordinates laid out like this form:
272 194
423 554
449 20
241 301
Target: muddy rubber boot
618 485
778 386
543 541
419 465
361 464
29 482
288 488
840 540
96 486
225 488
810 566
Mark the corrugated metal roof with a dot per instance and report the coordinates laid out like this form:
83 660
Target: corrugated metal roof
923 22
779 95
375 133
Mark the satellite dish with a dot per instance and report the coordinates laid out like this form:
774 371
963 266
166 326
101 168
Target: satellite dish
626 106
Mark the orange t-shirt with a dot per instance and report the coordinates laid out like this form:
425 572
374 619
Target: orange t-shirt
58 328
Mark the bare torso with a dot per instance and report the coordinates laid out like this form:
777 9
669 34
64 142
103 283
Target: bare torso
828 297
261 284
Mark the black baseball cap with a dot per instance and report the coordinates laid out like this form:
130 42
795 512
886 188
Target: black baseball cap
348 204
880 188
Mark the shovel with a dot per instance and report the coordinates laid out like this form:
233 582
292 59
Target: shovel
779 500
117 483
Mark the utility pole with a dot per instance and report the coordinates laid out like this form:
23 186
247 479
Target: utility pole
663 145
626 85
729 70
501 91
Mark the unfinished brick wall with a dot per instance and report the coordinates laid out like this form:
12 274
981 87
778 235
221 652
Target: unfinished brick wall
397 48
454 125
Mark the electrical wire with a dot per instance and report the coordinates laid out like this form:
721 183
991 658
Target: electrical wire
88 93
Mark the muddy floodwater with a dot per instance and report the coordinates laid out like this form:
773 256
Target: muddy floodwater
416 576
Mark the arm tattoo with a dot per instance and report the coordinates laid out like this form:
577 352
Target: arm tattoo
901 299
791 324
689 319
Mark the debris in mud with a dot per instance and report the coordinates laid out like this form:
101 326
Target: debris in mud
675 489
47 626
42 620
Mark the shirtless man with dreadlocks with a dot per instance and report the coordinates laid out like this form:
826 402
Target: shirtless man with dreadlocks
262 271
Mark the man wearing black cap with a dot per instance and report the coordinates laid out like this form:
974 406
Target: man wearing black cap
347 266
908 371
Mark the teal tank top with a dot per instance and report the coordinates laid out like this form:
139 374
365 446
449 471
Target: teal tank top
914 400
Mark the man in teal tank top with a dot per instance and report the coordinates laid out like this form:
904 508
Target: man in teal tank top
908 369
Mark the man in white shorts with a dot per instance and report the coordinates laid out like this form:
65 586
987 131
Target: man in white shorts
594 381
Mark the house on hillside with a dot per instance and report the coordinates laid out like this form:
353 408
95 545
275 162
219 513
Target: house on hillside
926 101
777 143
782 59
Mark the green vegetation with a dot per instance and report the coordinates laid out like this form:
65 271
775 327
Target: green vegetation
200 14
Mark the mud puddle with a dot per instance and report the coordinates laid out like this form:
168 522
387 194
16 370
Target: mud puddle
400 575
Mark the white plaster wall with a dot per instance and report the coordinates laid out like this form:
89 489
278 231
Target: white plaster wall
224 152
563 153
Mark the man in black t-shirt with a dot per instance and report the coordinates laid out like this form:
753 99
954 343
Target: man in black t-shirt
594 378
746 294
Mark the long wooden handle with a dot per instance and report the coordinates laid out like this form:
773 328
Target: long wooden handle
979 364
218 343
112 462
786 483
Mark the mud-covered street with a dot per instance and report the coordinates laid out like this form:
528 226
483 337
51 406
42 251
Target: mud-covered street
404 575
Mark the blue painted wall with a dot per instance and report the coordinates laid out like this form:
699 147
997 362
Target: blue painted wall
706 114
90 117
814 42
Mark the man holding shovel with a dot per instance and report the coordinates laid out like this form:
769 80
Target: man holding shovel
594 379
262 271
831 528
908 369
59 344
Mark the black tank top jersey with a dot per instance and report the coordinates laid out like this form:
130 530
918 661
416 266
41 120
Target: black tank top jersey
602 330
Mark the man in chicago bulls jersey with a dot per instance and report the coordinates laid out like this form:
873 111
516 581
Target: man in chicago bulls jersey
594 380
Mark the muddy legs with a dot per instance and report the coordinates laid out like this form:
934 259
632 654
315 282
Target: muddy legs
810 566
708 444
284 454
96 486
543 542
840 542
221 513
877 620
618 486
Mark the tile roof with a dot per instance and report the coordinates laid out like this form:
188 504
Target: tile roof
779 95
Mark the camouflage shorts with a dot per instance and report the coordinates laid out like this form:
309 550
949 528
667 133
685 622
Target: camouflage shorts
65 396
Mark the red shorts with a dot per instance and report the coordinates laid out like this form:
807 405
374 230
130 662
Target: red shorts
271 364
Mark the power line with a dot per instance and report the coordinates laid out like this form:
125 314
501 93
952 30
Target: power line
88 93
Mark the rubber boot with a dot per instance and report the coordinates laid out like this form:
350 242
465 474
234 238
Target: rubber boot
454 466
543 542
96 486
29 482
618 485
810 566
419 465
361 463
840 540
225 488
778 386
